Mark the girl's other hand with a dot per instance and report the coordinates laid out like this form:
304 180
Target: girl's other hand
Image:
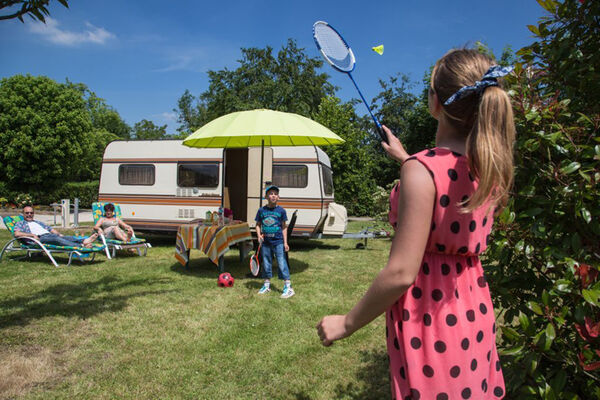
395 148
332 328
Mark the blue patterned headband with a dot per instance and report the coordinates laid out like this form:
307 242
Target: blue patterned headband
489 79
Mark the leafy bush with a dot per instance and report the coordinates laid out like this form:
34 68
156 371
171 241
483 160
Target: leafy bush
44 121
543 262
86 192
23 199
381 201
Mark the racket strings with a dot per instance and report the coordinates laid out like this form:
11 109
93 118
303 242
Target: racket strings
331 43
333 47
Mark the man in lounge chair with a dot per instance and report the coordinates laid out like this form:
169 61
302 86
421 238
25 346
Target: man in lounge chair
30 228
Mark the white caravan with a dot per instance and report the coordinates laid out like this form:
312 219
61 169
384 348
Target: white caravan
161 184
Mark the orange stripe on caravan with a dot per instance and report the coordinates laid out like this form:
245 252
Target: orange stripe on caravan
158 160
152 221
213 196
181 201
304 228
200 201
294 160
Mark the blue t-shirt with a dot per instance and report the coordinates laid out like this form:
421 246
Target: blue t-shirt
271 223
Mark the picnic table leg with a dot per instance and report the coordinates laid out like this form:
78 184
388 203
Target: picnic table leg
187 263
221 264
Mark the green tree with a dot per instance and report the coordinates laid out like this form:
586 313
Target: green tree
351 163
407 115
99 139
287 82
103 116
36 9
189 112
543 260
44 130
106 118
147 130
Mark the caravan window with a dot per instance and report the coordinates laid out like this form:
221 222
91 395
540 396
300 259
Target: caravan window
136 174
291 176
198 175
327 180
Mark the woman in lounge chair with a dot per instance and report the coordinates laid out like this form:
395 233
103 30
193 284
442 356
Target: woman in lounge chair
110 226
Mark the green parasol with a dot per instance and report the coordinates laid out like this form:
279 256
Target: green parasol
261 127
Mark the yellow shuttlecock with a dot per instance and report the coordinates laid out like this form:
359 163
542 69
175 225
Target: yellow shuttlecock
378 49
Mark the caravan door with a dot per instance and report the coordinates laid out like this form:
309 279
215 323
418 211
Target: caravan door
235 192
255 186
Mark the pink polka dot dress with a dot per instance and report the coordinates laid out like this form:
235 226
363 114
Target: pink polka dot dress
441 334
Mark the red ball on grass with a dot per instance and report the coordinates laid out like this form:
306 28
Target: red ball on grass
225 280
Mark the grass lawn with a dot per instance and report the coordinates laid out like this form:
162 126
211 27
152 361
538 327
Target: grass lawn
145 327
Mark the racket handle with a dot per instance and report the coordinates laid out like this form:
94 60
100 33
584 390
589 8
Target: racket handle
380 131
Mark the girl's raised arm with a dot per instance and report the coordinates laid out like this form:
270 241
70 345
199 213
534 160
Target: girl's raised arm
415 211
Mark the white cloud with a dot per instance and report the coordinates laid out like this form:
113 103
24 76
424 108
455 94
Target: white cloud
168 116
50 31
197 58
179 62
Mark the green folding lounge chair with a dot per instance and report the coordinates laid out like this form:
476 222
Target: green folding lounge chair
113 244
37 247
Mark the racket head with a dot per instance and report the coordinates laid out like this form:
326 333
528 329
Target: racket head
254 265
334 49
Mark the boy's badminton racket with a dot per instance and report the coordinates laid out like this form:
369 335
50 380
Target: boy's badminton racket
339 55
254 264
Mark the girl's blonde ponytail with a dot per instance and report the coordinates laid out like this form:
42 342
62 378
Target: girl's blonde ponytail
489 149
486 118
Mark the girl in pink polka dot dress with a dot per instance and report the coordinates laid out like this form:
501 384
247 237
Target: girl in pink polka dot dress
440 323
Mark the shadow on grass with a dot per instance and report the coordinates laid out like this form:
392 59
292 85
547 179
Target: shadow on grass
371 383
81 300
167 239
201 267
311 244
61 258
372 380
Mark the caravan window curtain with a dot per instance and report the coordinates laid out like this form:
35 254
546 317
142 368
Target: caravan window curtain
204 175
290 176
136 174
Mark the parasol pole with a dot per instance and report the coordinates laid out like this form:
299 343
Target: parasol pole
223 180
262 156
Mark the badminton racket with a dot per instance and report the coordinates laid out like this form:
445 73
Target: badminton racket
336 51
254 264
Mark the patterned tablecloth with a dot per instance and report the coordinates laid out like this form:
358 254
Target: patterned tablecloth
212 240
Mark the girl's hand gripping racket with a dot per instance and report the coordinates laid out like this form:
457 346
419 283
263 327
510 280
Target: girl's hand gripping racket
254 264
339 55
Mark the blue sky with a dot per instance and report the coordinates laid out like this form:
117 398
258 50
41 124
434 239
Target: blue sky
140 56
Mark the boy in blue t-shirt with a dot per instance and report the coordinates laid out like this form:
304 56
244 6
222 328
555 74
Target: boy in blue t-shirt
271 230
